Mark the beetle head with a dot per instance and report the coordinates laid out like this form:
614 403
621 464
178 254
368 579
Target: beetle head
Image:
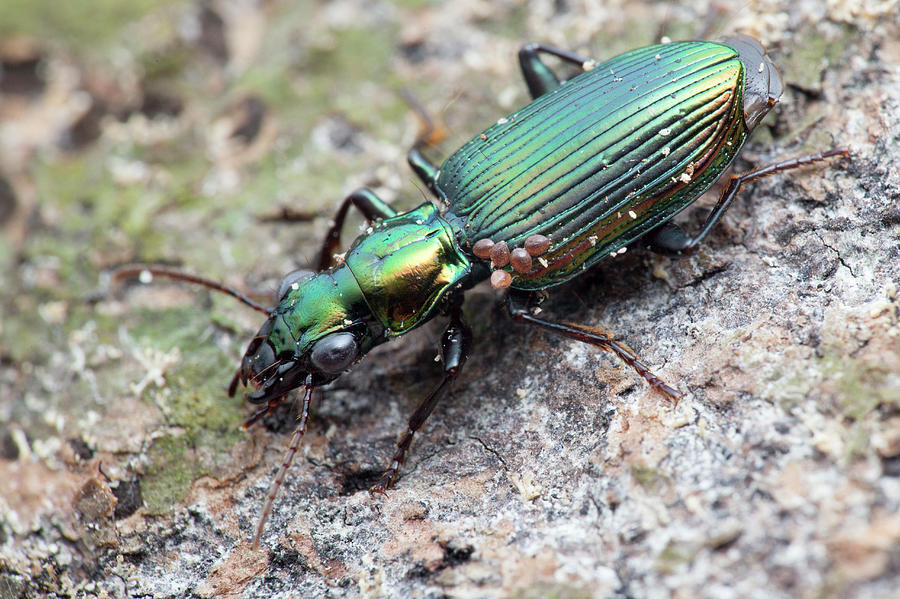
314 334
763 85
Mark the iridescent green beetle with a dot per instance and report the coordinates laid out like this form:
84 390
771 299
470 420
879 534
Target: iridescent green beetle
593 165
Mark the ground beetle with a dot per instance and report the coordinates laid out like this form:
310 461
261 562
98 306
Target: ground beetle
592 166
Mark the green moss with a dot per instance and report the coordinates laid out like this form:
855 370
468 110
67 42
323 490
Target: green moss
861 385
648 477
84 25
673 555
204 421
171 470
414 4
552 590
812 50
175 461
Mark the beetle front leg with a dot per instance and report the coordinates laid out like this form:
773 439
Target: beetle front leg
670 239
538 76
517 302
371 206
455 344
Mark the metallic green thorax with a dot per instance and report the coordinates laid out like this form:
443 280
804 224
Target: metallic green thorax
393 278
603 159
405 266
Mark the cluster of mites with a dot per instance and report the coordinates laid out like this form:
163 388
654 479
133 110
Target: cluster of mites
519 258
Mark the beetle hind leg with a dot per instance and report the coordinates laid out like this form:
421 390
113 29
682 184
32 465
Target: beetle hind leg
670 239
517 304
539 78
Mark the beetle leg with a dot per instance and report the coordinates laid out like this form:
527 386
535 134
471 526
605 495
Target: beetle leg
670 239
455 344
430 134
518 309
538 76
426 170
372 207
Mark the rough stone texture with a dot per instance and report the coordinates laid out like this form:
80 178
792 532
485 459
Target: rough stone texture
172 132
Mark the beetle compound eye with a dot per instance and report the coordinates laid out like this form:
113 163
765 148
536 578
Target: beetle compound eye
292 280
334 353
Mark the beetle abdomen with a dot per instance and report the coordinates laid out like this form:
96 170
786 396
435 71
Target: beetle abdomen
603 159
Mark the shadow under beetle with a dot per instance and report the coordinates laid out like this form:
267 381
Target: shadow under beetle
591 166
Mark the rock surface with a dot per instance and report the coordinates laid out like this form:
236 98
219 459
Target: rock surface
179 133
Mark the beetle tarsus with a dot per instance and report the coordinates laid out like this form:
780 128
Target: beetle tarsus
596 337
669 239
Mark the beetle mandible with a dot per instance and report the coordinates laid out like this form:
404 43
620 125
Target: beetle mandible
591 166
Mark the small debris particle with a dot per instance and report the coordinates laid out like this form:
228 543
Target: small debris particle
588 65
761 68
665 132
593 240
502 121
684 178
525 485
543 262
665 151
632 214
483 137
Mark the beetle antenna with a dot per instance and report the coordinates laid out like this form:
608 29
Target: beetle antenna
146 272
285 464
